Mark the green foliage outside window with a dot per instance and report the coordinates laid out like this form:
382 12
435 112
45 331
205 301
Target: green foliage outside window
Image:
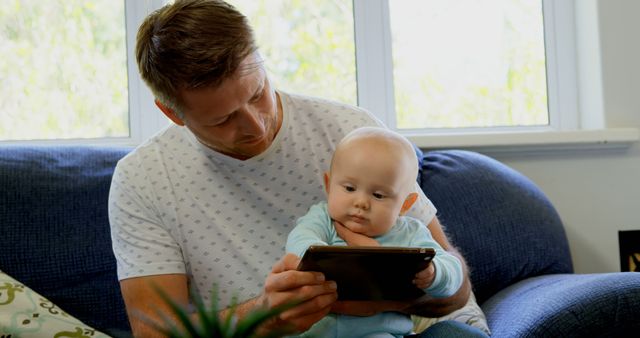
469 63
308 45
63 69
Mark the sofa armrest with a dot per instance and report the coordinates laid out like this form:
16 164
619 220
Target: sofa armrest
503 224
567 305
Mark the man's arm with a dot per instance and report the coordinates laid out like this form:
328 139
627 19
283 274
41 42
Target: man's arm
284 285
144 304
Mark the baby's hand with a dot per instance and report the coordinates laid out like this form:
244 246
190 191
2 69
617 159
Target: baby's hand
425 277
353 238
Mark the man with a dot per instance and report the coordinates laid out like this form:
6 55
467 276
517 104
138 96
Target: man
210 200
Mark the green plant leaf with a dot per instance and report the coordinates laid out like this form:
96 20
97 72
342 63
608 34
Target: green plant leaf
209 320
181 313
209 323
228 324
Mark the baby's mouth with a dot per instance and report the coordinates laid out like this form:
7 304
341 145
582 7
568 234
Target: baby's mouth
357 219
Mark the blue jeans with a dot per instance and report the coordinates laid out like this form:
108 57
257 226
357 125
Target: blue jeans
450 328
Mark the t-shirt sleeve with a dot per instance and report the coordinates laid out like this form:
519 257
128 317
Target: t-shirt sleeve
141 244
422 209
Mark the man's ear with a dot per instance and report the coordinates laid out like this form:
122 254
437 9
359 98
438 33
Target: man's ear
408 202
326 182
169 113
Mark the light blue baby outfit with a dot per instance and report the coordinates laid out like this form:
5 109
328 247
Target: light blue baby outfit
316 228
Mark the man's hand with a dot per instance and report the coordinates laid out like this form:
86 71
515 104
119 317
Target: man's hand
425 278
313 295
353 238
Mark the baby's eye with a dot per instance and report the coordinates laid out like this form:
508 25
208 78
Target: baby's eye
349 188
378 195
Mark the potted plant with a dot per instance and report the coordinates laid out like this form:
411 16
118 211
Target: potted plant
209 324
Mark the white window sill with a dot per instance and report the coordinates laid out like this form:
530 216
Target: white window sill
530 141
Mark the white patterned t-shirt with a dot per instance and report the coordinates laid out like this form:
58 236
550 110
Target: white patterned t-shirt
176 206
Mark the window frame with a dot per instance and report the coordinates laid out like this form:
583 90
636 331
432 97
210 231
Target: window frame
576 113
375 67
564 21
144 117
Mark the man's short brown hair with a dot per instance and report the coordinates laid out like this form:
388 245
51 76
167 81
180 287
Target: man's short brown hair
191 44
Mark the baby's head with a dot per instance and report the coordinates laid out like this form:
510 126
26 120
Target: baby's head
371 180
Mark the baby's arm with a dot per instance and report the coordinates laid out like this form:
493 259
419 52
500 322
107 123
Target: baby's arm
444 275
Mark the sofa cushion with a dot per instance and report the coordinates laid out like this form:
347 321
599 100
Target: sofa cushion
24 313
502 223
567 305
55 228
470 314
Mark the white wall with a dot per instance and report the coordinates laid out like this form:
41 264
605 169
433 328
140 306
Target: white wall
597 192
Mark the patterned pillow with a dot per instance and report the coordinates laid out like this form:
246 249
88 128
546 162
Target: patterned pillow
24 313
470 314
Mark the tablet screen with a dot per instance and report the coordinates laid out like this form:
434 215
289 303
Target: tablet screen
369 273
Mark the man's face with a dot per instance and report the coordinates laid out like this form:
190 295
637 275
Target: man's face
240 117
365 190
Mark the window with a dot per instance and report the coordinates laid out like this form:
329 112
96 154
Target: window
424 67
69 75
63 70
421 64
468 63
308 45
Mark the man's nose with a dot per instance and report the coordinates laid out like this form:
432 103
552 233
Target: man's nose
251 122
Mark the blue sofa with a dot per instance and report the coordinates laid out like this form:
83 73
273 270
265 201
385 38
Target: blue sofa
55 239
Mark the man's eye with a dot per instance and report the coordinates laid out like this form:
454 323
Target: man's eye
224 120
257 97
378 195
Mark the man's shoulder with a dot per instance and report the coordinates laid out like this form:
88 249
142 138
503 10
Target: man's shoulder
333 116
149 150
319 103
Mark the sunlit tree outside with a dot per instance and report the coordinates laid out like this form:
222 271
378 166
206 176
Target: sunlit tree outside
308 46
468 63
456 63
63 69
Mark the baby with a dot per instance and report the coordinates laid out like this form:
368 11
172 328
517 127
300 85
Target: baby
370 186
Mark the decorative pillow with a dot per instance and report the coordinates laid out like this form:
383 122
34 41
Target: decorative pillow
24 313
470 314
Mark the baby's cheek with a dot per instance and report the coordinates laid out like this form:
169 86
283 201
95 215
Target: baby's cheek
334 212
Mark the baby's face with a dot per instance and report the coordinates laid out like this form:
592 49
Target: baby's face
366 193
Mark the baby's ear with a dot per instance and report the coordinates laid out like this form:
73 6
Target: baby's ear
326 182
408 202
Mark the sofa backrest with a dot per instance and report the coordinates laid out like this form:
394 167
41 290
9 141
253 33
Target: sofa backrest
501 222
56 238
55 229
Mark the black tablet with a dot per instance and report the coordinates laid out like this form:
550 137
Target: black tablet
369 273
